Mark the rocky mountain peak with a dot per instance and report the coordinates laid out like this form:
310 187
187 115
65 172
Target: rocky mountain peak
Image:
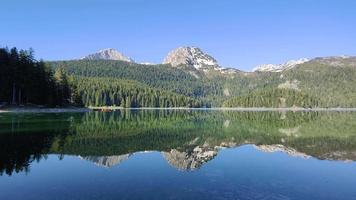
190 160
106 161
280 67
108 54
191 56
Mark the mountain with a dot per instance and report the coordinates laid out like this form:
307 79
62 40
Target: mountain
336 61
106 161
281 148
191 56
320 82
190 160
192 78
108 54
195 58
279 67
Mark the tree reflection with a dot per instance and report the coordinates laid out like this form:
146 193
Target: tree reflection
188 139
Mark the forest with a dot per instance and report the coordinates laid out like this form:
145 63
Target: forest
274 98
25 80
100 91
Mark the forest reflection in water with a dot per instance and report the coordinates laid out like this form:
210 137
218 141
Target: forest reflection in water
186 139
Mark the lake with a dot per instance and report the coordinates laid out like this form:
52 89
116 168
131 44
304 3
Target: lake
178 154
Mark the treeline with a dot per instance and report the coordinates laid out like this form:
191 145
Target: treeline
129 94
24 80
162 77
275 98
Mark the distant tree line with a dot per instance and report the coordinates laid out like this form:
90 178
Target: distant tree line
95 91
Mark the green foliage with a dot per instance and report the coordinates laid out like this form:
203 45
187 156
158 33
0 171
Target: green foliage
157 76
318 83
275 98
96 91
24 80
334 84
28 137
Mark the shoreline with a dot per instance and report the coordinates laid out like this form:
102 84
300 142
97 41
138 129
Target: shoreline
89 109
44 110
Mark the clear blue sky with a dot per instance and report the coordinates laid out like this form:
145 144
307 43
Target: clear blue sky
238 34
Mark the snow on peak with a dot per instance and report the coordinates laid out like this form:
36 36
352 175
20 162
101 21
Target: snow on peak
191 56
280 67
147 63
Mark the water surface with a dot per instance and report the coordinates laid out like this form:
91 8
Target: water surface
178 154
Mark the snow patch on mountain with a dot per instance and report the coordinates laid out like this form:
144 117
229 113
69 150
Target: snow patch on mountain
280 67
195 58
281 148
192 56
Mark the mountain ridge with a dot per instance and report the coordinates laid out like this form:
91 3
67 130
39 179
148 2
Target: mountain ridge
197 60
279 67
108 54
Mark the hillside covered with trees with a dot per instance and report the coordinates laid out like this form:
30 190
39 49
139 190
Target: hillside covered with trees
321 82
99 91
318 83
24 80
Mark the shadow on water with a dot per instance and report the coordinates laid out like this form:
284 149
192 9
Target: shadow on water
187 139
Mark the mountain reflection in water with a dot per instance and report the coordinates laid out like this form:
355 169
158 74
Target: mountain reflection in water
186 139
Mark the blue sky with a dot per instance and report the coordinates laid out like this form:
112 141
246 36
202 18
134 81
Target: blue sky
238 34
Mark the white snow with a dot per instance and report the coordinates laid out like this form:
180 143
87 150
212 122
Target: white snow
280 67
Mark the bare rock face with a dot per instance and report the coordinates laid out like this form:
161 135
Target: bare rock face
107 161
190 160
191 56
108 54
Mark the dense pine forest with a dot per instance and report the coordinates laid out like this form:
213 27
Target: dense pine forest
275 98
128 94
329 82
317 83
162 77
24 80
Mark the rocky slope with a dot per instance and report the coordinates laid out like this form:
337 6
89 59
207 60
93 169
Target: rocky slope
190 160
194 57
107 161
279 67
108 54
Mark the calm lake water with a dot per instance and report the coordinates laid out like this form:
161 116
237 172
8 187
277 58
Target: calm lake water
172 154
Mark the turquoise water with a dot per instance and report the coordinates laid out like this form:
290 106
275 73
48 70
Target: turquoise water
178 155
